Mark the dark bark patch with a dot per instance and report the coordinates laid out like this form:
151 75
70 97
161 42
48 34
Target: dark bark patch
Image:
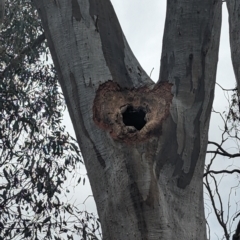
112 39
185 178
177 83
76 13
189 70
132 115
139 209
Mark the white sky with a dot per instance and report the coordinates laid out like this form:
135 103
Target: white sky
142 22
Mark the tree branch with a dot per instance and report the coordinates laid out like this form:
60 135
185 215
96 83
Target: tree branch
224 89
222 151
222 171
218 213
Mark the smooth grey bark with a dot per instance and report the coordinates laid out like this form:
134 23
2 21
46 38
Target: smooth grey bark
234 33
147 183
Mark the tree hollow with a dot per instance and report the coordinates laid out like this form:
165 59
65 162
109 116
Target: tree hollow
132 115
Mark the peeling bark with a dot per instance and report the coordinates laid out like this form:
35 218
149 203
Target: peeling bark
143 144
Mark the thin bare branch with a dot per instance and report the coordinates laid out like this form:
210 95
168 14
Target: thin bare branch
221 151
224 89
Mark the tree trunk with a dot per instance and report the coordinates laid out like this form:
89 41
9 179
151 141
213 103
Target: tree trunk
143 143
2 11
234 32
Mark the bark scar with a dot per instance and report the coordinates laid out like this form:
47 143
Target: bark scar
132 115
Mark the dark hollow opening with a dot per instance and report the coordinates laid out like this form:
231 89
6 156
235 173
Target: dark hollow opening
134 117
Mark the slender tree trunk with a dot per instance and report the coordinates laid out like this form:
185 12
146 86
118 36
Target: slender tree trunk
2 11
234 32
143 144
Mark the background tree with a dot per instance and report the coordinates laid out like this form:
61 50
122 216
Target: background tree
36 151
230 130
224 199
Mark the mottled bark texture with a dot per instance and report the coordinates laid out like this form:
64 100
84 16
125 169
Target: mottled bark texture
143 144
234 32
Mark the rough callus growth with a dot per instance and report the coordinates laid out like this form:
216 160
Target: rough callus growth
132 115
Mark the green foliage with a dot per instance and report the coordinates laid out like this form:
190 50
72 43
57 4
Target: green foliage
36 152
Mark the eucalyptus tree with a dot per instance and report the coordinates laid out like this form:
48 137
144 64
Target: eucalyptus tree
36 152
143 144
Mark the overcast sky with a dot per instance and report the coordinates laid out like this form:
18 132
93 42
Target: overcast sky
142 22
